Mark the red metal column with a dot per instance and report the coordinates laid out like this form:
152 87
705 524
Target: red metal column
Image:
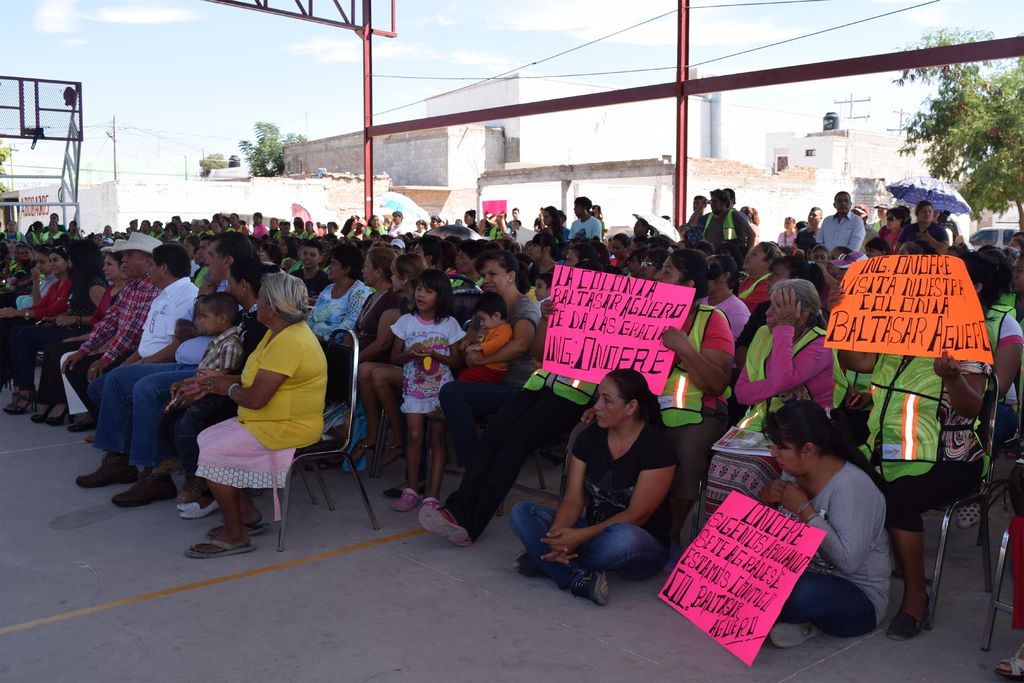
682 115
367 37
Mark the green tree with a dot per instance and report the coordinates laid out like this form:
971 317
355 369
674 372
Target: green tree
972 130
5 155
266 155
211 162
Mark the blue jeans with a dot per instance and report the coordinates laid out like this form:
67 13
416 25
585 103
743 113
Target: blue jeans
466 402
185 429
625 549
131 400
831 603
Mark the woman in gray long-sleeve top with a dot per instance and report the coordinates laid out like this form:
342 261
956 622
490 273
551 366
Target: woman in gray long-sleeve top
828 484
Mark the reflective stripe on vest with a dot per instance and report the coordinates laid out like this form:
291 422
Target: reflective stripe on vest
909 422
728 227
682 400
757 358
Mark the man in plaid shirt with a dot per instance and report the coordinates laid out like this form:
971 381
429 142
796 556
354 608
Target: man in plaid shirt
117 335
120 393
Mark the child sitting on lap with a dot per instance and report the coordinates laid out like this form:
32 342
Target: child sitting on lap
495 331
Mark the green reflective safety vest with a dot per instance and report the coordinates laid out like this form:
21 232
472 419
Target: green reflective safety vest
200 277
904 427
994 323
1007 301
844 379
574 390
750 290
728 227
756 365
681 400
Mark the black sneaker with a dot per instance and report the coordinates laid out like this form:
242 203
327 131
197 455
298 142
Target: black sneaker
590 585
525 565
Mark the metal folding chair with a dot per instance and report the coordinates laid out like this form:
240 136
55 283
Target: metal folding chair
980 496
995 604
342 369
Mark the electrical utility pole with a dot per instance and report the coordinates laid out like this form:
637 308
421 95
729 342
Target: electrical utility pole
852 102
112 134
904 115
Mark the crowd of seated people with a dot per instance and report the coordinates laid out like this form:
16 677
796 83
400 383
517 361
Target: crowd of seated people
197 346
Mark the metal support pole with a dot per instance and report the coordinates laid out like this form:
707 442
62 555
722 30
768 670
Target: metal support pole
367 37
682 115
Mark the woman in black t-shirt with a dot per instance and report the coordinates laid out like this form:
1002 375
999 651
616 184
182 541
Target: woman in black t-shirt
615 514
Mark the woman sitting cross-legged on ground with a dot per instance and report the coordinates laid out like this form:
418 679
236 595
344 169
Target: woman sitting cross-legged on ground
829 484
615 514
280 408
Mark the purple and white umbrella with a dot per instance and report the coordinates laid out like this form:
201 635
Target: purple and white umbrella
941 194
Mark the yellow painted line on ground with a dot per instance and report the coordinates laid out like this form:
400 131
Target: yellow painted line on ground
135 599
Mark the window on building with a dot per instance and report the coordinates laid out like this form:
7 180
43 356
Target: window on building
810 152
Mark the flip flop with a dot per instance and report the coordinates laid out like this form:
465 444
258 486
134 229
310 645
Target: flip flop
252 529
225 549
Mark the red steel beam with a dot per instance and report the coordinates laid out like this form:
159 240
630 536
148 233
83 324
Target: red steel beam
367 38
682 115
600 99
303 13
911 59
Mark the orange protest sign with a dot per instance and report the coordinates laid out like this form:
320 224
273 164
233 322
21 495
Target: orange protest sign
910 305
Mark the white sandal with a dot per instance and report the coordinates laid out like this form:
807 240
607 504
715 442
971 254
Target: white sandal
1016 666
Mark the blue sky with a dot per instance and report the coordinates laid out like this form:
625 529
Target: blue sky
185 76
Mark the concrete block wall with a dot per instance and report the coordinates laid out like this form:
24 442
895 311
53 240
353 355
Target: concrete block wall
419 158
442 157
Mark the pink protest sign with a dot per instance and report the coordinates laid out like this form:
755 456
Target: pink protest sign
603 322
494 206
734 578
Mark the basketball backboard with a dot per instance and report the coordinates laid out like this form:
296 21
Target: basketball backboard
40 109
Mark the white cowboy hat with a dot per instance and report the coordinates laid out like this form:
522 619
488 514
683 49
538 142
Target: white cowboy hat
137 242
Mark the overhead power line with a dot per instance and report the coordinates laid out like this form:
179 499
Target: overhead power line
505 74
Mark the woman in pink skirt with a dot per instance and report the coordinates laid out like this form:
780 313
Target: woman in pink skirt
280 397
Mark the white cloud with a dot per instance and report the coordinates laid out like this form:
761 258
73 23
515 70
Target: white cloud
73 42
583 20
143 14
332 51
55 16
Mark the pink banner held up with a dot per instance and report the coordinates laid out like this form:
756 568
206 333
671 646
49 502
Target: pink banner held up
734 578
603 322
495 206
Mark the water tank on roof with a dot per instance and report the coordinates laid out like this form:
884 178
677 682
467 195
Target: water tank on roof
830 121
234 161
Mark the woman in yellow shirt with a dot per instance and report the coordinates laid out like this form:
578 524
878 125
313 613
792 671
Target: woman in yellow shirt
280 397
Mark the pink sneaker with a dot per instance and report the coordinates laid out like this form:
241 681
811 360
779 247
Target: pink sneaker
431 502
439 521
409 500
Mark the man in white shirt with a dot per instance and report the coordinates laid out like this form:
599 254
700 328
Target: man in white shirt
585 224
113 391
844 229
